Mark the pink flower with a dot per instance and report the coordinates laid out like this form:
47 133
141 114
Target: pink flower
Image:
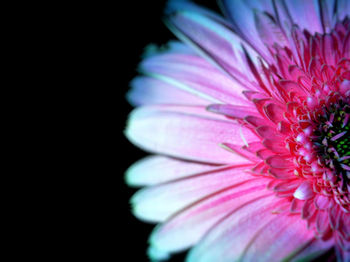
249 121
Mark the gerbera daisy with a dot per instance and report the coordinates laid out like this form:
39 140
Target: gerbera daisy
249 122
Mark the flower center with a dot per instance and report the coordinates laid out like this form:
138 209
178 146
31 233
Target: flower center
332 140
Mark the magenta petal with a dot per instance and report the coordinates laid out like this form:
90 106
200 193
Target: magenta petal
278 162
282 173
274 112
267 132
275 146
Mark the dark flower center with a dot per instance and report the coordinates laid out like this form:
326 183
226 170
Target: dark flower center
332 139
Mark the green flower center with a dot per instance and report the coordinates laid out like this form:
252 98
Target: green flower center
332 139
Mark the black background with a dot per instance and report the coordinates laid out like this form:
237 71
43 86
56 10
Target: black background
142 25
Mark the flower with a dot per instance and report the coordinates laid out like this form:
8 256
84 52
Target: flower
249 121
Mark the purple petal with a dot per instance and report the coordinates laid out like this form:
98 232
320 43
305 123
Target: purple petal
214 41
147 90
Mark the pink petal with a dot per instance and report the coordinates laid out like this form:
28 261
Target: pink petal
304 191
308 209
256 121
188 227
281 173
322 202
278 162
275 145
147 90
296 206
233 111
191 136
195 75
279 239
159 169
158 203
274 112
322 224
267 132
228 239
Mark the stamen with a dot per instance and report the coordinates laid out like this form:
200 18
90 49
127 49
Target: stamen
334 138
345 167
346 119
344 158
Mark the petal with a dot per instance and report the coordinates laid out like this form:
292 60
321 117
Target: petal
304 191
196 76
274 112
278 162
156 254
276 241
343 9
187 5
158 203
214 41
147 90
233 111
188 226
306 14
268 30
159 169
191 136
241 14
230 237
313 250
267 132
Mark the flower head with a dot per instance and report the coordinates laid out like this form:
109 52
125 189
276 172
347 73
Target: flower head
250 121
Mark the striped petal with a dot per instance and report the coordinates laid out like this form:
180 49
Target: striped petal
159 169
216 42
194 75
188 136
160 202
241 14
148 90
189 226
230 237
